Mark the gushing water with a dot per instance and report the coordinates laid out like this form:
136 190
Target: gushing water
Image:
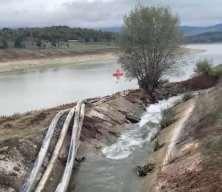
141 133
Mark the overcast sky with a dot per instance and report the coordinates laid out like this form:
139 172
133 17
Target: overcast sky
99 13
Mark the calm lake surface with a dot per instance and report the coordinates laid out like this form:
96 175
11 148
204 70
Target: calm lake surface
25 91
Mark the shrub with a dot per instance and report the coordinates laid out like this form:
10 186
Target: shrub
168 118
217 71
204 66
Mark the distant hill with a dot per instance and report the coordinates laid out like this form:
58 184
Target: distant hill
187 30
210 34
192 34
208 37
190 31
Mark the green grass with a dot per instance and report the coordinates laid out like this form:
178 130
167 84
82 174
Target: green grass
217 71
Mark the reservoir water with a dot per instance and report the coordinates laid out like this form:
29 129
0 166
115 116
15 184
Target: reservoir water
25 91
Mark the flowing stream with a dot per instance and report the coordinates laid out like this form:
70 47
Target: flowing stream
115 172
142 133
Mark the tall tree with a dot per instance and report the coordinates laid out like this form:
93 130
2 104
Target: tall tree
148 42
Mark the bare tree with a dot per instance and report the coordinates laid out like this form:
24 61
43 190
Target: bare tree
148 42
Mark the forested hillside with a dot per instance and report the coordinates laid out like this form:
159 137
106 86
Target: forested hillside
210 37
56 36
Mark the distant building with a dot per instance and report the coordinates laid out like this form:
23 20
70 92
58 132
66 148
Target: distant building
73 41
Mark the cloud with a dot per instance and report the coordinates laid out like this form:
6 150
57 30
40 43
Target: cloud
84 13
95 13
99 13
195 12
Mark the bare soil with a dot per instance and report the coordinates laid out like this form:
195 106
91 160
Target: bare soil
23 60
196 166
29 54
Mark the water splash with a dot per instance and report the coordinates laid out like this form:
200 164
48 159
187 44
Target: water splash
141 133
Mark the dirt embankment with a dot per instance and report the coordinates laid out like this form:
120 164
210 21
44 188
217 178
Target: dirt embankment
29 54
191 159
21 135
31 63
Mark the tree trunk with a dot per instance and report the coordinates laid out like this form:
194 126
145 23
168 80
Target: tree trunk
148 88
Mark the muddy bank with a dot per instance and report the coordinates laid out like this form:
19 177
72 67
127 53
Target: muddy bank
29 54
21 135
192 154
32 63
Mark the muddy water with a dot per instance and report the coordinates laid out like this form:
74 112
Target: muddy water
115 172
105 175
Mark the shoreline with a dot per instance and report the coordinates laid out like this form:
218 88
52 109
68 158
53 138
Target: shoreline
44 59
57 61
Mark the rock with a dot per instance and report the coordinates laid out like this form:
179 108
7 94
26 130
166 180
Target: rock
142 171
81 159
132 118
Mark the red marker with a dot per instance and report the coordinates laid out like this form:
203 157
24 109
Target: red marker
118 74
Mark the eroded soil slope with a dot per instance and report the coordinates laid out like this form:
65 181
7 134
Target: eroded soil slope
196 164
21 135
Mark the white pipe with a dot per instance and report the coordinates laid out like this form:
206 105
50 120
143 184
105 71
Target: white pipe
82 115
80 109
33 177
56 152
